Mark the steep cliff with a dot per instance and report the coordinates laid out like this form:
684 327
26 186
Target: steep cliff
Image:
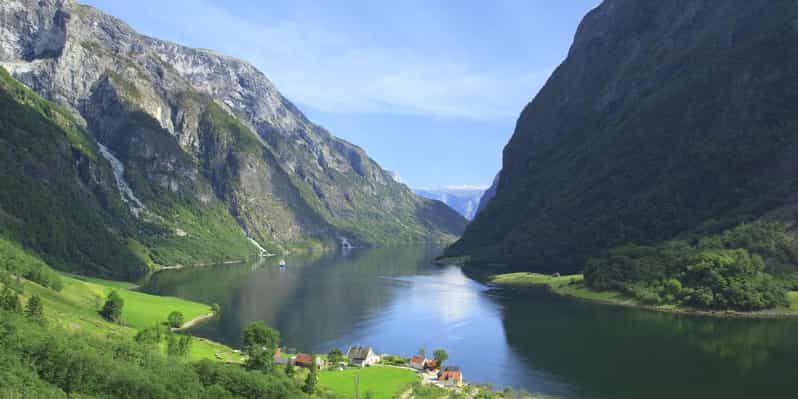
667 118
202 150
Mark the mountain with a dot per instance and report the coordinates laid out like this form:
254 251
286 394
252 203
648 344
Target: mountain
173 155
464 200
488 194
666 119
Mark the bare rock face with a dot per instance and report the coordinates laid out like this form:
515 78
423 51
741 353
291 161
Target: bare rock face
196 127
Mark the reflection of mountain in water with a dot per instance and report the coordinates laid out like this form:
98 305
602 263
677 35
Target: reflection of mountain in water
311 301
614 352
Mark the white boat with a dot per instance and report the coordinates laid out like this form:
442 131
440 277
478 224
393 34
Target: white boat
282 263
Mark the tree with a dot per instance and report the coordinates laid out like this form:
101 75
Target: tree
178 345
335 356
112 310
9 300
34 309
289 369
149 336
312 379
175 319
261 343
440 356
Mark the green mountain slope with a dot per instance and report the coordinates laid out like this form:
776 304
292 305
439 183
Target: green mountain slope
666 119
184 156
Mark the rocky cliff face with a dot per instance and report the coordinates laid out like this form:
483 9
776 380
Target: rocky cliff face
207 140
667 118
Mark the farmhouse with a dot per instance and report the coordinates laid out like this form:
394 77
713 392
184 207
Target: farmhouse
362 356
451 376
418 362
306 360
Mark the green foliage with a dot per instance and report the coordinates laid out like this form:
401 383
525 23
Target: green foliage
335 356
724 271
9 301
593 165
175 319
51 363
112 309
261 343
312 380
393 360
289 369
440 356
178 345
76 221
14 260
150 336
34 310
245 384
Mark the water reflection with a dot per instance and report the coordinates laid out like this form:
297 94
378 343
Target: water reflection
626 353
397 301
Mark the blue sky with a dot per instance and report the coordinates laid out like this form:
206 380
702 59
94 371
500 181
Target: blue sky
431 89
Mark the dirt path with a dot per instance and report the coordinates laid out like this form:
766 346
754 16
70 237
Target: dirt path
193 322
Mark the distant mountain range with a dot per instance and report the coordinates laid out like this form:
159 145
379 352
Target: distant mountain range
464 200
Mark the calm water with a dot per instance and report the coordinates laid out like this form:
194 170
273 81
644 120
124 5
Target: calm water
397 301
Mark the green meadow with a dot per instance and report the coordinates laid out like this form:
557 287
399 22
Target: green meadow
76 308
383 382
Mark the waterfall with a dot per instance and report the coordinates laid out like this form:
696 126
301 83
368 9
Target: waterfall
119 175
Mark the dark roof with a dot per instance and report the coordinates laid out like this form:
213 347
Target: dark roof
451 368
359 352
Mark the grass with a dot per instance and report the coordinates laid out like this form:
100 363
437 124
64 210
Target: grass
793 297
568 285
573 285
143 310
75 308
384 382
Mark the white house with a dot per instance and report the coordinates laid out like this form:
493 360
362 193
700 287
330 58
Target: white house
362 356
418 362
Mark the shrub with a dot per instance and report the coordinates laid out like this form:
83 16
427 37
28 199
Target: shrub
175 319
112 309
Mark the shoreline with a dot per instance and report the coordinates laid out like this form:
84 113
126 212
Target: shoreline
571 287
195 322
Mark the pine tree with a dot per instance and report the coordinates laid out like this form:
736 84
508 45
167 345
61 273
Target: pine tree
34 309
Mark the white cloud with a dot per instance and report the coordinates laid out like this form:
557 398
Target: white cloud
334 72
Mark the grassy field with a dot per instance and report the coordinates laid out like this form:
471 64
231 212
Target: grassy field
143 310
383 382
75 308
793 296
569 285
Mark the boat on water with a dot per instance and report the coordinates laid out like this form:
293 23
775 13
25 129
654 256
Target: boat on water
282 263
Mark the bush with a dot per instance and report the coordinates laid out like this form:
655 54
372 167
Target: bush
175 319
41 362
112 310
